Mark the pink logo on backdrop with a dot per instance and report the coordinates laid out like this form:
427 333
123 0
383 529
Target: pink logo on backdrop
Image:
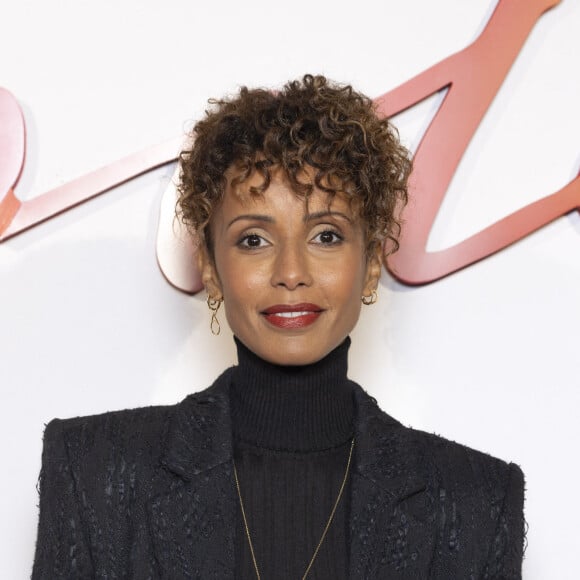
472 78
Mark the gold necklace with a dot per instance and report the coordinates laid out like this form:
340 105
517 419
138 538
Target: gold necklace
325 528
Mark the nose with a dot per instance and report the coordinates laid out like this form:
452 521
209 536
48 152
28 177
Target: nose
291 268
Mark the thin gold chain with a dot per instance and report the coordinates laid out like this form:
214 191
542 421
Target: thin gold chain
326 528
246 522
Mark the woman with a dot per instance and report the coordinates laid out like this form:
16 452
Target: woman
283 468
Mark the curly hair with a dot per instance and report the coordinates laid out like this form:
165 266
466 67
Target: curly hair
312 127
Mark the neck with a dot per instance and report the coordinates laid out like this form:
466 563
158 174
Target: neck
292 408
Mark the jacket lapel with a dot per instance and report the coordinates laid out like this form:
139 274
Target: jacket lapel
192 512
392 520
193 509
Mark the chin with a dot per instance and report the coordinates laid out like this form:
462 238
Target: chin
288 354
294 360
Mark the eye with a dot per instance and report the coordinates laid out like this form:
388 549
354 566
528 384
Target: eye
251 241
328 238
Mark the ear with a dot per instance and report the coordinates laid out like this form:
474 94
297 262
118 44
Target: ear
373 270
208 271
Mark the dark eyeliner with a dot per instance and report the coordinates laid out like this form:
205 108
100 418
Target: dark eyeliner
339 237
246 236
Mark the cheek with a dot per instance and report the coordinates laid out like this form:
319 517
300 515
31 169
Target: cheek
241 281
344 284
242 287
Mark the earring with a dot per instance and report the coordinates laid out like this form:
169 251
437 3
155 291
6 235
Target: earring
214 305
368 300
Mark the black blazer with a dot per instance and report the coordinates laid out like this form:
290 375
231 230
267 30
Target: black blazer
149 493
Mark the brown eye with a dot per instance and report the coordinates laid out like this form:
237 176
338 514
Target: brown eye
328 238
251 241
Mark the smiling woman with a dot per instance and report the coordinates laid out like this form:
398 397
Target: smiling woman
291 271
283 468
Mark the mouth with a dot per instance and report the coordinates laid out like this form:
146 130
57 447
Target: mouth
289 316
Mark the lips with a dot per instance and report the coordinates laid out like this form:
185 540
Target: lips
289 316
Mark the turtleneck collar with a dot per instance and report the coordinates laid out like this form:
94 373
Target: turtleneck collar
292 408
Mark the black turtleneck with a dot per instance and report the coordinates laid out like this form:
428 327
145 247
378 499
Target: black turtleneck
292 430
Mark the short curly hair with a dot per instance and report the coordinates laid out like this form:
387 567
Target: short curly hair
312 123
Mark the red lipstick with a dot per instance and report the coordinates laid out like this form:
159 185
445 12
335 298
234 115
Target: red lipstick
290 316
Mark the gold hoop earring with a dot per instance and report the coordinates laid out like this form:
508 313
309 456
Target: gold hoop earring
214 305
368 300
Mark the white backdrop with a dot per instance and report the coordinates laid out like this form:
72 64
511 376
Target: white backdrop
488 356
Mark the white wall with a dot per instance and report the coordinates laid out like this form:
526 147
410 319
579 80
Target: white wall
488 356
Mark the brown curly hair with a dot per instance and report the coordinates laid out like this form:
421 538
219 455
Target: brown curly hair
313 123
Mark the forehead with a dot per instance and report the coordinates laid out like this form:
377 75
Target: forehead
243 194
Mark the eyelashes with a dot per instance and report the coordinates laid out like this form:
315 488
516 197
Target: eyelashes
329 237
251 241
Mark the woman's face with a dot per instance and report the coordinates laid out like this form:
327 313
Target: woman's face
291 276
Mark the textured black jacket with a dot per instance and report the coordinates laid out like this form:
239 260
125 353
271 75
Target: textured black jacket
149 493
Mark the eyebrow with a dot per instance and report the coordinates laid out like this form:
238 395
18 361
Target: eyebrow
326 213
252 217
307 218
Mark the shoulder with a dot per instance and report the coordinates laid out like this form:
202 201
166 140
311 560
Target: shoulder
474 500
457 466
448 455
119 447
128 432
480 496
464 470
140 424
446 464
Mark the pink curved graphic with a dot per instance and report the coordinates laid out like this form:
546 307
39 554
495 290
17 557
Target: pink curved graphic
473 77
12 151
17 216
